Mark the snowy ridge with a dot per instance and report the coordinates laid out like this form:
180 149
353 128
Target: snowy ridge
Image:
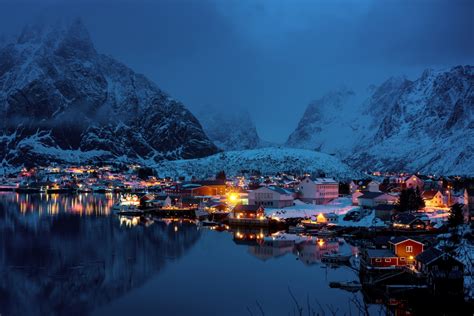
424 125
264 160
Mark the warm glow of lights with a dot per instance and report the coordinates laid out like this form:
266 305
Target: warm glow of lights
320 218
320 242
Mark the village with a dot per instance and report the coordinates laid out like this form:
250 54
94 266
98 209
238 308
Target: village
406 235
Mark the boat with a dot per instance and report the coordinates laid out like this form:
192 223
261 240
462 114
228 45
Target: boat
296 229
325 233
200 213
307 223
335 258
351 286
208 223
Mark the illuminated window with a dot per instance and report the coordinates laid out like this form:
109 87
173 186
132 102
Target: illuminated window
378 260
409 248
388 259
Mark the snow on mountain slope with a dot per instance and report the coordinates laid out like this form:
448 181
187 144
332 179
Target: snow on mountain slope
424 125
229 130
265 160
331 123
427 125
61 100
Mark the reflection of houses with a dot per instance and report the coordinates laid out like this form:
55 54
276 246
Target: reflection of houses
445 274
372 199
434 198
310 252
271 197
319 191
272 248
248 237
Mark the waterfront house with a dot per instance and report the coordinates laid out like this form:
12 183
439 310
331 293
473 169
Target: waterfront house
248 212
161 201
434 198
379 258
271 197
408 221
319 191
372 199
406 249
445 274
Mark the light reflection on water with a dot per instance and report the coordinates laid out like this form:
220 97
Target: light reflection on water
52 204
68 255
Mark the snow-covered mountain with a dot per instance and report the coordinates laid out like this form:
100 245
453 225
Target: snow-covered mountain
60 100
230 130
269 160
424 125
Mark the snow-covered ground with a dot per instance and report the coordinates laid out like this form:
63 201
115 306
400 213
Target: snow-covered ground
266 160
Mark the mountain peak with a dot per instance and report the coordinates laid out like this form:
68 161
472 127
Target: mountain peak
76 42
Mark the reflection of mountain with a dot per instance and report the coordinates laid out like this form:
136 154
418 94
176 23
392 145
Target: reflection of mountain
70 264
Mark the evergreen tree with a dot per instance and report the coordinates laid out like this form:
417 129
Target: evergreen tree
456 216
221 175
410 200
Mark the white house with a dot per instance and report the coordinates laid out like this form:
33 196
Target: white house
373 186
271 197
319 191
372 199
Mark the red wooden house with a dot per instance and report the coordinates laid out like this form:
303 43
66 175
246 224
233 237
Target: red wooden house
405 249
380 258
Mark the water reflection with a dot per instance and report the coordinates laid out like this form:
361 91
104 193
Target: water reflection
53 204
55 260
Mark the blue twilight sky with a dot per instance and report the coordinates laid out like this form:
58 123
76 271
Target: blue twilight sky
270 57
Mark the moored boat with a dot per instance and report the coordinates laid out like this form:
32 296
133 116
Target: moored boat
335 258
351 286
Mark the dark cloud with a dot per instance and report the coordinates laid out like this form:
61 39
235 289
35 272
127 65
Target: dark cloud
271 57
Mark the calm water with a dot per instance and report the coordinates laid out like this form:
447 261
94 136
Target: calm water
68 255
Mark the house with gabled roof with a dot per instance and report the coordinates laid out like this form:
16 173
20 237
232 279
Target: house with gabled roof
408 221
445 273
271 197
318 191
372 199
434 198
406 249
